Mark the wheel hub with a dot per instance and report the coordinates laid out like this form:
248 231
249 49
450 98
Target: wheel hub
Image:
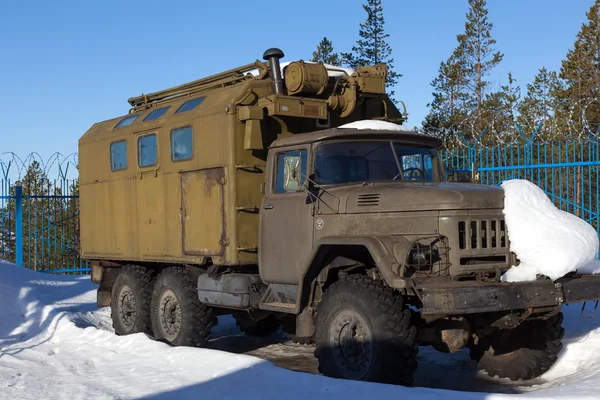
351 344
170 315
127 307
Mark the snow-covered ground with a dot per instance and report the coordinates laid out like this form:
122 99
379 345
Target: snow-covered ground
55 344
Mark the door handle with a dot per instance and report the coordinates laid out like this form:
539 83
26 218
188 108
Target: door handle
267 207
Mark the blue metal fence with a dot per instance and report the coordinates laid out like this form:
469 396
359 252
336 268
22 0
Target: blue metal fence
39 224
567 171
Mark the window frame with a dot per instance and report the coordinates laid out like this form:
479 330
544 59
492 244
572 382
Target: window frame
299 150
111 158
171 143
166 108
201 98
140 137
132 117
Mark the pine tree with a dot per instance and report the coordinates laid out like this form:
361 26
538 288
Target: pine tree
372 47
447 110
478 51
540 105
325 53
461 90
498 111
71 250
37 217
35 211
581 74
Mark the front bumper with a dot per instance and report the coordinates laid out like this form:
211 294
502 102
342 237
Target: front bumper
460 298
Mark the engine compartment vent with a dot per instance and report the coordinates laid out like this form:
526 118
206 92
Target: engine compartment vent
368 199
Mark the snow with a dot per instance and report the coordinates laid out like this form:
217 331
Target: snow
375 125
55 344
546 240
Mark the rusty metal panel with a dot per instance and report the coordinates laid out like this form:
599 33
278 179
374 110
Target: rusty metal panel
203 213
585 288
467 298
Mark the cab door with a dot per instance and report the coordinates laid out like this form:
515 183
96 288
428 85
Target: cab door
285 218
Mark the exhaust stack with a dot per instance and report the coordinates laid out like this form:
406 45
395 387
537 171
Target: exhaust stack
273 55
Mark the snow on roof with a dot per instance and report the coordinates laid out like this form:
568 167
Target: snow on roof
376 125
546 240
332 70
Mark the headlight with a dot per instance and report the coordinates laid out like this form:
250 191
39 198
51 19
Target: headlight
427 256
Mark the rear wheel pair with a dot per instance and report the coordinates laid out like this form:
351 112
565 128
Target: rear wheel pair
163 305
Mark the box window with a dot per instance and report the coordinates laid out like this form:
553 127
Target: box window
147 151
190 104
181 144
126 121
156 114
118 155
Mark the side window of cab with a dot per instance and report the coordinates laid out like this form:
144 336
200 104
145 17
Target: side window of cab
291 171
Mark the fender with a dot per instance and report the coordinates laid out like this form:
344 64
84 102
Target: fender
385 251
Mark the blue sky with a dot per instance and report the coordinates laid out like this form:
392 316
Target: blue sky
65 65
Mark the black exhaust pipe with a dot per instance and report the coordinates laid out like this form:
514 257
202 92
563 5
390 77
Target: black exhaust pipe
273 55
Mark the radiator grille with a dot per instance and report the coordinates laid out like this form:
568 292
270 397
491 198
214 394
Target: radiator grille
368 199
482 234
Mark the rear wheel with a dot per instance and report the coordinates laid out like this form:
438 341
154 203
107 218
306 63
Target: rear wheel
130 300
524 352
178 316
254 326
363 332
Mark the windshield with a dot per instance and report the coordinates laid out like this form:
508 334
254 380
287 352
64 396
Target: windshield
370 161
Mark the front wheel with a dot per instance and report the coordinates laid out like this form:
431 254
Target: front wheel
525 352
178 316
363 332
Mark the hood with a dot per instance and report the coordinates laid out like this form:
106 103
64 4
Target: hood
416 196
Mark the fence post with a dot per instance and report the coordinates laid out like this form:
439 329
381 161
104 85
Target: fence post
19 224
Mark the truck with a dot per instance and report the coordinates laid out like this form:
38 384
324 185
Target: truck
292 197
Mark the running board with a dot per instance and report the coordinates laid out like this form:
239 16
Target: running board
279 298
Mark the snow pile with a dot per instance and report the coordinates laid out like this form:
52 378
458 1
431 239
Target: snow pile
375 125
546 240
55 344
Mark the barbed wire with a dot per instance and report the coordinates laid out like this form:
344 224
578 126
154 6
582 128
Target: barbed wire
505 127
57 166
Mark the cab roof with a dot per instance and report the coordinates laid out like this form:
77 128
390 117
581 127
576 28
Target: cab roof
352 133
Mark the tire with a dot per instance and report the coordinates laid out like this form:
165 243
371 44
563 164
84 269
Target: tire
524 352
131 296
178 316
386 351
260 327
